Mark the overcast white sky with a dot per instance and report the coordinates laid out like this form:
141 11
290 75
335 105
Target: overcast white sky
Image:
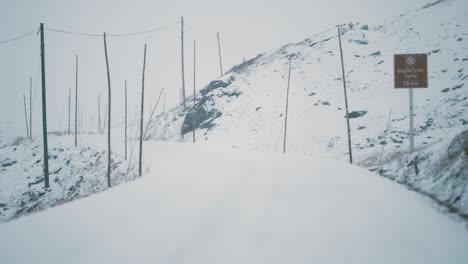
247 27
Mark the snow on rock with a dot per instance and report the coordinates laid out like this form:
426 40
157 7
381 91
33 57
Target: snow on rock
75 172
253 118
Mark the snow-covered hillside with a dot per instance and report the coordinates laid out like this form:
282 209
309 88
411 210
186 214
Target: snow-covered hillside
231 206
75 172
244 108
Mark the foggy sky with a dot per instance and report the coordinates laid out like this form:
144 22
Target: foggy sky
247 27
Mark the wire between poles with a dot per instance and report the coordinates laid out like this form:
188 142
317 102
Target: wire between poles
111 35
19 37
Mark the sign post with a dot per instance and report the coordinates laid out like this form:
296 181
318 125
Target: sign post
411 72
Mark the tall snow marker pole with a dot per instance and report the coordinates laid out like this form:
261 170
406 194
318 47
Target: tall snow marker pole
286 111
141 115
194 92
76 100
182 57
109 118
125 119
346 100
219 53
44 111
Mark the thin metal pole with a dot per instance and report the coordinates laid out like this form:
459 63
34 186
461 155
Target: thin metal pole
125 119
346 100
219 53
109 119
286 111
182 56
141 116
194 92
44 111
411 119
76 100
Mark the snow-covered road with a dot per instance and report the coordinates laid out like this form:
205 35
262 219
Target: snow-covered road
201 204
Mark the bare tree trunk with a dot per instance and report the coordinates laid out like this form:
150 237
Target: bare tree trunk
26 116
142 109
109 119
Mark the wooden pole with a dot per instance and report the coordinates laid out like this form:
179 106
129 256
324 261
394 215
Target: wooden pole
109 118
30 108
194 92
44 111
26 116
182 56
219 52
286 111
125 119
142 109
346 100
76 100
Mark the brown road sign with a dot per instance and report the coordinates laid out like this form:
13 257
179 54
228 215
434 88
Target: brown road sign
410 70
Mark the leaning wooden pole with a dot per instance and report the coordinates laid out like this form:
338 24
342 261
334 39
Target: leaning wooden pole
44 111
141 115
109 118
286 111
125 119
76 100
194 97
26 116
346 100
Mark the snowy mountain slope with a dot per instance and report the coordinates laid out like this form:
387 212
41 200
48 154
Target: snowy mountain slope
75 172
244 109
241 207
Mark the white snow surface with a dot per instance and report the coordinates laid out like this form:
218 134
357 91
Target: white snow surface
232 206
